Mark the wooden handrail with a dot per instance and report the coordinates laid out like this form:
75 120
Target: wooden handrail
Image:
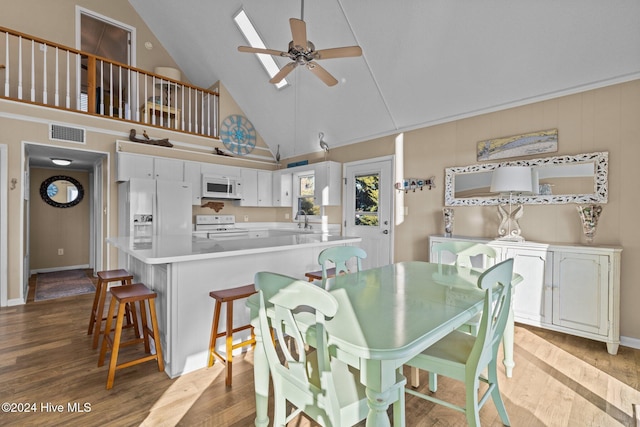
179 112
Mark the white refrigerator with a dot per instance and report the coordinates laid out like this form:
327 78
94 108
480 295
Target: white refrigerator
149 207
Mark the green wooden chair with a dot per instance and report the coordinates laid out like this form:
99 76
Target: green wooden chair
325 389
462 252
464 357
337 256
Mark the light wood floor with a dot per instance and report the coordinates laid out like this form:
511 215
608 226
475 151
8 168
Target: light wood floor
46 358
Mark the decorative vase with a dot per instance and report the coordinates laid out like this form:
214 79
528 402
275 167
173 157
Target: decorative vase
447 213
589 215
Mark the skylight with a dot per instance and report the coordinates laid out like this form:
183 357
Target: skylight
254 40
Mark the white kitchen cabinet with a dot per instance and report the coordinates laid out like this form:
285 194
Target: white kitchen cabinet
582 301
168 169
573 289
133 166
282 188
130 165
248 187
256 187
328 183
533 303
220 170
193 175
265 188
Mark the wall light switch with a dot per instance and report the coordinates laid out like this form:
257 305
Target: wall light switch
246 218
60 251
406 210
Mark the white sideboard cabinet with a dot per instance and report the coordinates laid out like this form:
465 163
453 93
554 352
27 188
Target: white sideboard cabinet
573 289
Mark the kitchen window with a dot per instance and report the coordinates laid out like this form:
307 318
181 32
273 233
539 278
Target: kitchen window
304 191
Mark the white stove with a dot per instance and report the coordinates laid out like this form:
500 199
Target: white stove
219 226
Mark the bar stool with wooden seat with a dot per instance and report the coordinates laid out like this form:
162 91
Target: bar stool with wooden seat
123 296
99 299
228 296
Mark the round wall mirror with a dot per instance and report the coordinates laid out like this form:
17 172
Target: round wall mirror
61 191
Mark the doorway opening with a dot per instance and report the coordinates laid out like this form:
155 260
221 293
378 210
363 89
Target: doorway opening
107 38
62 235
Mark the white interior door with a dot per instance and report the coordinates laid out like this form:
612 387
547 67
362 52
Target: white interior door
368 208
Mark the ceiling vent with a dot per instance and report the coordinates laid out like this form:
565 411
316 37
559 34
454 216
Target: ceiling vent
67 134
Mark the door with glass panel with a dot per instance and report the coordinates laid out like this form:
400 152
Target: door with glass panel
368 199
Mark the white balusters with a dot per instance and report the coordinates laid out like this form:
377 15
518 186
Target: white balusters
33 71
56 97
121 92
44 74
6 70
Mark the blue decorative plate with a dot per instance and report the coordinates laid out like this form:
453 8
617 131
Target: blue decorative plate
238 134
52 190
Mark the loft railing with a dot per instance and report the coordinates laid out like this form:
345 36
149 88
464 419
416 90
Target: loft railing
46 73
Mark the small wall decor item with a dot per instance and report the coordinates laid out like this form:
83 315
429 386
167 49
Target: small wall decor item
589 215
544 141
164 142
413 184
447 214
238 134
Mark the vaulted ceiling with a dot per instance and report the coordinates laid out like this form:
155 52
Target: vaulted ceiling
424 61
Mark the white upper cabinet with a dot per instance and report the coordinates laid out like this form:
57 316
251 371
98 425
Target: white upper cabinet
248 187
220 170
168 169
282 187
256 187
265 188
131 165
193 175
328 183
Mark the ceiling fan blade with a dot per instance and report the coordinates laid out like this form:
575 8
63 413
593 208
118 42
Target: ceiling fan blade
284 71
321 73
338 52
250 49
299 33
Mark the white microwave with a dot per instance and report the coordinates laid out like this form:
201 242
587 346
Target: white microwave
221 187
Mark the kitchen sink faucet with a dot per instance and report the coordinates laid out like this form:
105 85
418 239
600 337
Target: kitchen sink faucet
306 219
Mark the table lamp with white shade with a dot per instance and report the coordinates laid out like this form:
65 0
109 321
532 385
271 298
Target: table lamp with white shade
511 179
166 85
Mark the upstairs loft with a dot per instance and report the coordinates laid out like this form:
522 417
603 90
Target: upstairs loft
42 72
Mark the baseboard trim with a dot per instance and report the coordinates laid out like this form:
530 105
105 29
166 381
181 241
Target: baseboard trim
630 342
15 301
49 270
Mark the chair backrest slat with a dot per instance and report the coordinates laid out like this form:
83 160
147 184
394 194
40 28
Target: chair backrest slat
463 252
496 279
340 256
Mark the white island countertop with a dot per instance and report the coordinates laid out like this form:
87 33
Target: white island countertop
179 248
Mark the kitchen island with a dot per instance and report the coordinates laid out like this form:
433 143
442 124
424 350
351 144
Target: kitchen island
183 269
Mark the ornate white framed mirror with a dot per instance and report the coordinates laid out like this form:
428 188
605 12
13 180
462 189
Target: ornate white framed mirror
581 178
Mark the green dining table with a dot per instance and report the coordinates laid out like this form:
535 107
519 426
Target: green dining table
386 316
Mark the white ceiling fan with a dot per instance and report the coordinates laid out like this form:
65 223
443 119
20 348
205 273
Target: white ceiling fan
303 52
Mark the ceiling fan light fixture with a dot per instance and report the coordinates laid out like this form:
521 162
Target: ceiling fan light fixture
301 51
250 33
61 162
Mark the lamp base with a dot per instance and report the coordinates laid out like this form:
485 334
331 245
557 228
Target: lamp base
509 229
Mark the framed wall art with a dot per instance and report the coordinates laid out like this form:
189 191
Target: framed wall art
544 141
